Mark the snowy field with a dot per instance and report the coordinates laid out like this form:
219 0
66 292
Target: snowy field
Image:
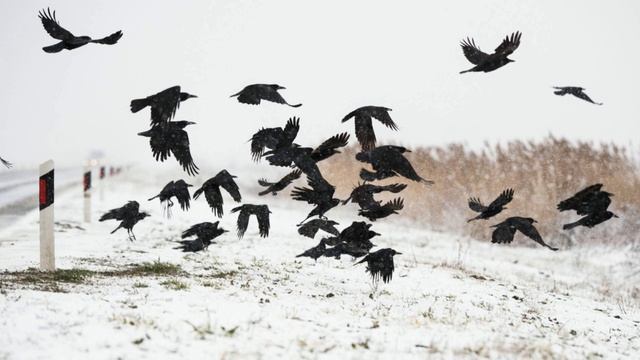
450 297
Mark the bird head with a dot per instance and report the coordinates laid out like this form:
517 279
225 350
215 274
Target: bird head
184 96
607 193
532 220
143 215
363 156
277 87
393 252
373 233
614 215
225 172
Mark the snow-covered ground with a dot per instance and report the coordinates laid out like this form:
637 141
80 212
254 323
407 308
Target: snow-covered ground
450 297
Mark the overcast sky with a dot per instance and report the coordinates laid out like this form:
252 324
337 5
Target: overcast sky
333 56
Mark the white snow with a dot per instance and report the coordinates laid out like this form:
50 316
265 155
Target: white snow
450 297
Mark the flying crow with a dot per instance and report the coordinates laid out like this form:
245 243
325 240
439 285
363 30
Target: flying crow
315 252
211 189
172 138
311 227
253 94
363 194
320 194
575 91
262 214
178 189
388 161
380 264
364 127
128 215
489 62
592 203
274 138
506 230
382 211
493 209
204 232
280 185
163 104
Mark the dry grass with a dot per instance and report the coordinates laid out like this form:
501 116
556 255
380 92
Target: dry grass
541 173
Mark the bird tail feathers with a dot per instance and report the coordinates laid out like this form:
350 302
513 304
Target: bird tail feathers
138 104
570 226
54 48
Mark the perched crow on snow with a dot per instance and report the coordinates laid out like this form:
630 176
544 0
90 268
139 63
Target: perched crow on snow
363 194
280 185
252 94
128 215
380 264
590 202
388 161
492 209
204 233
163 104
311 227
315 252
262 214
320 194
212 194
172 138
67 39
364 127
178 189
575 91
6 163
506 230
489 62
382 211
274 138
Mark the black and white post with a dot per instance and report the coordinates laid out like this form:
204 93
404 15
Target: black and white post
86 181
47 240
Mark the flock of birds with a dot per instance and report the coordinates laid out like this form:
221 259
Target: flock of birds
277 146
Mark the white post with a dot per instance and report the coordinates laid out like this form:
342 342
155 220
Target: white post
86 181
47 243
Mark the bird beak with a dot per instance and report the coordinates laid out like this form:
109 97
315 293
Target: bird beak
225 230
281 88
398 253
375 233
615 216
189 185
191 122
407 150
193 96
535 221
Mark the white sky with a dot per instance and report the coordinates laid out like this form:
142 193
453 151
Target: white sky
332 56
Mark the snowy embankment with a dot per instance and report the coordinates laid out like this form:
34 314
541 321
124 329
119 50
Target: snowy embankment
251 298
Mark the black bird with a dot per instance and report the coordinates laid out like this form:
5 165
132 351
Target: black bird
280 185
587 201
262 214
358 234
506 230
306 158
353 249
67 39
128 215
388 161
380 264
364 127
178 189
489 62
212 194
315 252
6 163
575 91
363 194
163 104
320 194
204 232
591 220
172 138
382 211
311 227
253 94
493 209
274 138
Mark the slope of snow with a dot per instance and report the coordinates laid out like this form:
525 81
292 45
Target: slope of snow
251 298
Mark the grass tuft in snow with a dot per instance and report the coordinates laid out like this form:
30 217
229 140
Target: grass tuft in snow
175 284
155 268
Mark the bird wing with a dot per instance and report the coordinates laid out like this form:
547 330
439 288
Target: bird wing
183 196
503 199
582 95
509 44
394 188
243 220
159 144
578 198
472 52
503 234
305 194
52 26
214 199
310 228
532 233
6 163
263 221
395 204
165 105
180 147
291 177
231 187
291 129
364 132
109 40
383 116
265 183
476 205
326 149
192 231
265 138
396 162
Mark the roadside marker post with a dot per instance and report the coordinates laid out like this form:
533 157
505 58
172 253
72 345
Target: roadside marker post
103 173
46 197
86 181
